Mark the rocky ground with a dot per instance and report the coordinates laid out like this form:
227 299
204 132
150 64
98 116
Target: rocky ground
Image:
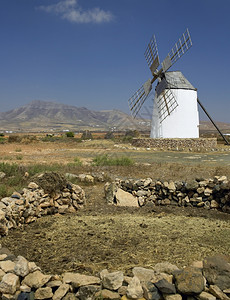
102 236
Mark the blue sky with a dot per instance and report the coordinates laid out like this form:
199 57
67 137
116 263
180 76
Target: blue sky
91 52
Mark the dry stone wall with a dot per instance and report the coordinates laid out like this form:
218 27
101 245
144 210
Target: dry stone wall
196 144
34 202
208 193
202 280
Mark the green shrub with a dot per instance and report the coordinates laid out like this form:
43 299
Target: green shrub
77 161
129 135
2 140
19 157
39 168
3 190
70 134
11 169
104 160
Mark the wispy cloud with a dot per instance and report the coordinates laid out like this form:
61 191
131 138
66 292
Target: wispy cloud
70 10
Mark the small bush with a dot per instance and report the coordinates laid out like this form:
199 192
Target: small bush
11 169
2 140
3 190
39 168
26 139
77 161
70 134
104 160
129 135
86 135
109 135
19 157
14 139
132 133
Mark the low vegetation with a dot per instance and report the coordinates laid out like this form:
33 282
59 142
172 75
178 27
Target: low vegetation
105 160
70 134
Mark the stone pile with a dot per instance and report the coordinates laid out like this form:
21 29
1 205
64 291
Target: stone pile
204 144
87 178
203 280
34 202
208 193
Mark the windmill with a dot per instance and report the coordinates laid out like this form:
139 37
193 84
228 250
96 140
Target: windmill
175 109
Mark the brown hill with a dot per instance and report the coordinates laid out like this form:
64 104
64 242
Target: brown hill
44 116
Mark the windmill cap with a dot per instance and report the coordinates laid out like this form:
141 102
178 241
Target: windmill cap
176 80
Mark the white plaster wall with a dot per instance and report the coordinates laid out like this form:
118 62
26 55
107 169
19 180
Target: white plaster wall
183 122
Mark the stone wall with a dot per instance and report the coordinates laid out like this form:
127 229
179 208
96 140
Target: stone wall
208 193
202 280
34 202
198 144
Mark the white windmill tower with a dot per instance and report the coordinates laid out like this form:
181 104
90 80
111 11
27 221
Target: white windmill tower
175 111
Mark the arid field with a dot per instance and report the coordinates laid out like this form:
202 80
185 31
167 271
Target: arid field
104 236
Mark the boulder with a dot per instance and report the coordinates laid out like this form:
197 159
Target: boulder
134 290
43 293
21 267
78 280
216 291
9 284
123 198
7 266
113 281
165 267
143 274
189 281
61 291
205 296
36 279
151 292
165 287
87 292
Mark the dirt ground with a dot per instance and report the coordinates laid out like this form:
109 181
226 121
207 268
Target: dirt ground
102 236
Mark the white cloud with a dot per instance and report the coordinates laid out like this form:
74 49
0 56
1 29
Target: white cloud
71 11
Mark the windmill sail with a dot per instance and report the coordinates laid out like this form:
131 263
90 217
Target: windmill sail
177 51
166 103
151 55
138 99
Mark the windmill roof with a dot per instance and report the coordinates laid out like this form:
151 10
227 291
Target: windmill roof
176 80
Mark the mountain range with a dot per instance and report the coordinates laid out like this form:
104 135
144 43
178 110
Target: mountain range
44 116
